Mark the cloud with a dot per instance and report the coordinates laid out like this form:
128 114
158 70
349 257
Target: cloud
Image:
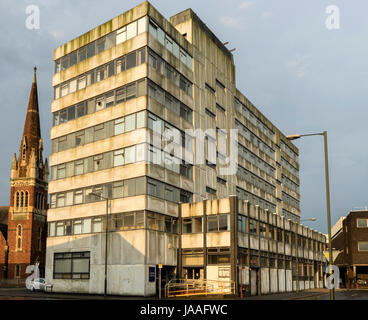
231 22
299 65
246 4
267 14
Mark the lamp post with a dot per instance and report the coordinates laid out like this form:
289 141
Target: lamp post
106 232
324 134
311 219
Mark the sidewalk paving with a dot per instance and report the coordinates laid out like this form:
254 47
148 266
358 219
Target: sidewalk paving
293 295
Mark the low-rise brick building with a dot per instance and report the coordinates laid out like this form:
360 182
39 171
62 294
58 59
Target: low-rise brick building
350 237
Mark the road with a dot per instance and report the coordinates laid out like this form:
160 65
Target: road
24 294
361 294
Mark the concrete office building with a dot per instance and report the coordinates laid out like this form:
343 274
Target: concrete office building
116 89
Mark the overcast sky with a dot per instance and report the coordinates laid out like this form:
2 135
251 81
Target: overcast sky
302 76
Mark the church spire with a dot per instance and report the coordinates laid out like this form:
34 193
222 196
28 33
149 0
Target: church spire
32 129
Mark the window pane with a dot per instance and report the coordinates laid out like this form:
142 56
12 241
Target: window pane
121 35
223 222
86 225
131 30
73 58
140 119
363 246
82 54
129 188
130 122
212 224
131 91
131 60
100 45
80 265
142 25
119 158
117 190
91 49
63 266
110 40
120 95
130 155
97 225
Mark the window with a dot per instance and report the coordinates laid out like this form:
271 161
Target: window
121 35
78 196
362 223
131 60
71 265
130 91
130 122
252 226
77 226
100 74
100 103
131 30
19 237
242 224
17 270
363 245
218 223
97 225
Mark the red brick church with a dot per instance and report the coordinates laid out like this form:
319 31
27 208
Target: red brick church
23 242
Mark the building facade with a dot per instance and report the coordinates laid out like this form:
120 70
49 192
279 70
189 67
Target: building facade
350 238
129 96
262 252
26 233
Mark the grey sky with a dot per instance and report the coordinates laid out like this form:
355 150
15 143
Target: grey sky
302 76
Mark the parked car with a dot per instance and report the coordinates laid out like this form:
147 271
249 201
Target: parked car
37 284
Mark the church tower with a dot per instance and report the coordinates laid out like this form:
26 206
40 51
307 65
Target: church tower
28 197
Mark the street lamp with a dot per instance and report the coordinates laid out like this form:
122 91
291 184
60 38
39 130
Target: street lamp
311 219
106 231
324 134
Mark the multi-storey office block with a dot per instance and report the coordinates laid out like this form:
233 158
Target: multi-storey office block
129 96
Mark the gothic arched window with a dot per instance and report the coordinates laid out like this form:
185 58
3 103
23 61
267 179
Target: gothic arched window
26 199
17 200
19 237
22 199
17 270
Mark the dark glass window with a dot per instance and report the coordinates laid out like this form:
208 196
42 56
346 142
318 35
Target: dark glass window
131 60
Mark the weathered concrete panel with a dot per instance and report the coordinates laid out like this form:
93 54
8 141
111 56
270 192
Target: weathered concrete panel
273 274
289 281
265 281
281 273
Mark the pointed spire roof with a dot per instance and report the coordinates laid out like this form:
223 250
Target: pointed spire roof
32 128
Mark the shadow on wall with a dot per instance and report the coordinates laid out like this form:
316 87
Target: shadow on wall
69 259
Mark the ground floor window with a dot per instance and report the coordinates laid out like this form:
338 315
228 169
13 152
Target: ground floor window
72 265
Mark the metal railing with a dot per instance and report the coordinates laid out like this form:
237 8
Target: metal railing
190 287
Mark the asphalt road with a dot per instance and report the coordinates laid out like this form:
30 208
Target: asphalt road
361 294
24 294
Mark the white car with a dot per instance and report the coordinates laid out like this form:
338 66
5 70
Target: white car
37 284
